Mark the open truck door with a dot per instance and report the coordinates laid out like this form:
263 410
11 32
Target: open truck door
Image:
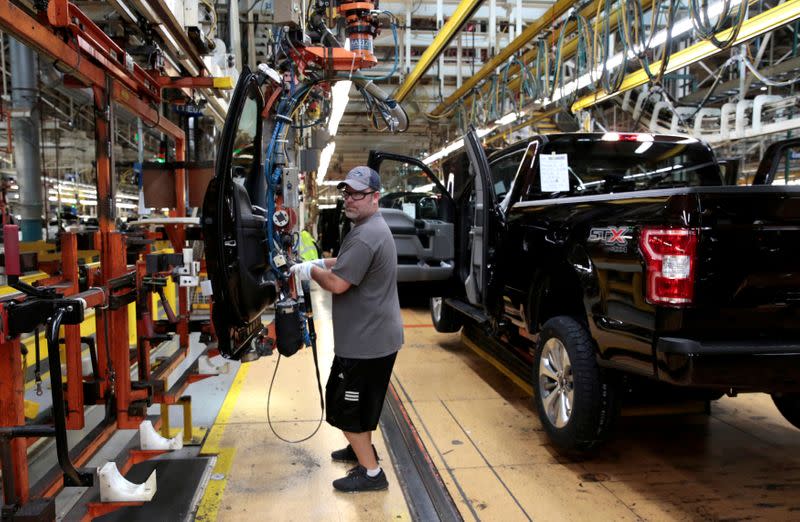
479 270
234 221
422 223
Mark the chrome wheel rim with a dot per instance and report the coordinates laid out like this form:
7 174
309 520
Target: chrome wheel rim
556 385
436 308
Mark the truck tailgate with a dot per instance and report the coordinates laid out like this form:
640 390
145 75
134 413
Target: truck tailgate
748 265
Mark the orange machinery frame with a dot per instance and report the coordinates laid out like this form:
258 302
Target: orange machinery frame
94 60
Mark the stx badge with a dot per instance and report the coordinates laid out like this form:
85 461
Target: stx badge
613 238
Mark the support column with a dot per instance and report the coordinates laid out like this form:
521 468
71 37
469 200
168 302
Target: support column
24 94
72 338
12 413
180 239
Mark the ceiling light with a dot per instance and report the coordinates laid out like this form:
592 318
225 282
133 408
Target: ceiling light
324 161
340 94
511 117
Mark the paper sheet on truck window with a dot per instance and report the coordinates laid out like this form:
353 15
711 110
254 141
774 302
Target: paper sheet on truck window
554 172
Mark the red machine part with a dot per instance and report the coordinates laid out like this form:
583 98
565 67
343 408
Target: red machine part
361 29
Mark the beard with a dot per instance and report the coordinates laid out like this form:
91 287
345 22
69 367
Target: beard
351 214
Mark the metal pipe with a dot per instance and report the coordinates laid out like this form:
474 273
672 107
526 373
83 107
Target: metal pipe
24 93
407 37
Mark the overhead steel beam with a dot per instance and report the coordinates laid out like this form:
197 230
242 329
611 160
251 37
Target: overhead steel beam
460 17
769 20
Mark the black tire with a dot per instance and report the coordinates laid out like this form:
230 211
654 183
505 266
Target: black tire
445 318
587 419
789 406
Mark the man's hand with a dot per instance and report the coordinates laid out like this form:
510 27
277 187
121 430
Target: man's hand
320 263
302 270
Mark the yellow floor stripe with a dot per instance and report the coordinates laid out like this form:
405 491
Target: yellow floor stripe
211 445
497 364
209 506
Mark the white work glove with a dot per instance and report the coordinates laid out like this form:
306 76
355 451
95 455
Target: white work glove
302 271
320 263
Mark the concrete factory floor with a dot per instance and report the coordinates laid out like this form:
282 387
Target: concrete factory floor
481 432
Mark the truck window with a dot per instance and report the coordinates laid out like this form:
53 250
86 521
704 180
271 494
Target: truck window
788 171
503 170
596 166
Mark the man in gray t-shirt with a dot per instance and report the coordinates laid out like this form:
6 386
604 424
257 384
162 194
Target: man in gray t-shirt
367 327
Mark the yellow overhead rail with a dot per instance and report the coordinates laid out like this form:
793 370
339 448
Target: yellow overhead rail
769 20
450 29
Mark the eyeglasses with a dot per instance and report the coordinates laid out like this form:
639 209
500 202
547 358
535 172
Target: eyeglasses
356 196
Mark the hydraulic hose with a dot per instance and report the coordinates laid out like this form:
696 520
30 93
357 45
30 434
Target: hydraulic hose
71 475
698 10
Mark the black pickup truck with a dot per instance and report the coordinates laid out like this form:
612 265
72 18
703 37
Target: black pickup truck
608 258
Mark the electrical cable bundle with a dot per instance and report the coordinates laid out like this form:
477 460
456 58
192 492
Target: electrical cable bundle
639 42
603 49
707 30
583 59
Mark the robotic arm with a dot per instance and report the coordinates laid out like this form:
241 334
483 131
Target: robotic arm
249 212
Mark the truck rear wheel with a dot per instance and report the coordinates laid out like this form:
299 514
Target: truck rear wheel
789 406
576 402
445 318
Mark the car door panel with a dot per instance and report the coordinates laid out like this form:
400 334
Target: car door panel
480 263
234 221
425 247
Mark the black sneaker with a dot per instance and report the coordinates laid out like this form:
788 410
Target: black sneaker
348 455
358 480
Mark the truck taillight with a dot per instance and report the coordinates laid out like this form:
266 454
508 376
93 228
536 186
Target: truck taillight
669 255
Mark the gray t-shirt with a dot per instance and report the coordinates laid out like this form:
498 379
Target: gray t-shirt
366 318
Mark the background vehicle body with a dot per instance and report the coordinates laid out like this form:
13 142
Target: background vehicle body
642 266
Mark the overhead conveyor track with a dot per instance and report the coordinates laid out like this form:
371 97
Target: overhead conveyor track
758 25
450 29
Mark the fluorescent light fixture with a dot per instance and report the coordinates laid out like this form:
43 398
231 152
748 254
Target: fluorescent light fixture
424 188
323 207
454 146
340 94
330 183
71 201
511 117
325 160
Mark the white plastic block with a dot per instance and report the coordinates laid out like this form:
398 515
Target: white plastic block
149 439
206 367
116 488
86 366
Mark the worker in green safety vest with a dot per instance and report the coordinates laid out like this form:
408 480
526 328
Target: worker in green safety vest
307 250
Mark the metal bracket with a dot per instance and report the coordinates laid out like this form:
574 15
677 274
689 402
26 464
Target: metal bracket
25 316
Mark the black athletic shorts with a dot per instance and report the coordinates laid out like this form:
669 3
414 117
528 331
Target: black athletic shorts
355 392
